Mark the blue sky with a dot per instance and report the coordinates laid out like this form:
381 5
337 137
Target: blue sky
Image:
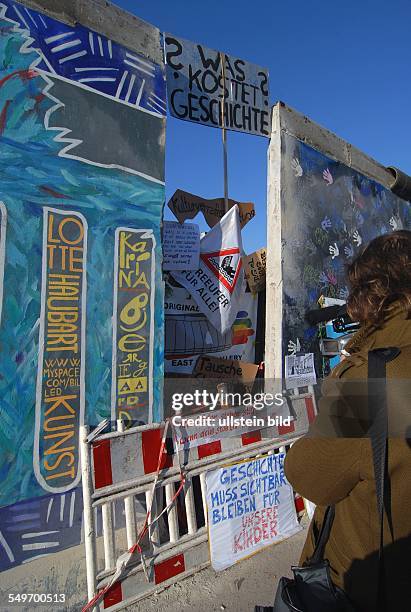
345 65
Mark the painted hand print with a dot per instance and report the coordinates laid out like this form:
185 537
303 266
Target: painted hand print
328 177
334 250
295 164
357 238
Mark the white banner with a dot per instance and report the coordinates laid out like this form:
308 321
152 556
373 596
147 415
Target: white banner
218 283
250 506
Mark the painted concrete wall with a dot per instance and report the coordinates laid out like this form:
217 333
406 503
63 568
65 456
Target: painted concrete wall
82 127
325 201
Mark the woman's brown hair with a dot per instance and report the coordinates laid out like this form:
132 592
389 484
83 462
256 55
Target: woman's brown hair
380 276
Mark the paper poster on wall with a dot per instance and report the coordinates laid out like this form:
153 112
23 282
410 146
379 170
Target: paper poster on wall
250 506
218 283
181 246
254 270
299 370
186 205
206 85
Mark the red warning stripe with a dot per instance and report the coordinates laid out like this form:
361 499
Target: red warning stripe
113 596
250 437
151 444
102 464
309 404
286 429
169 568
206 450
299 503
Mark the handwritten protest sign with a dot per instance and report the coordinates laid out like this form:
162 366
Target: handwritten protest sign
181 246
250 506
205 85
211 367
254 269
186 205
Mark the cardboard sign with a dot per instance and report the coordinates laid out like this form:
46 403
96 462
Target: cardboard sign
254 269
299 370
215 89
181 246
186 205
212 367
250 506
218 284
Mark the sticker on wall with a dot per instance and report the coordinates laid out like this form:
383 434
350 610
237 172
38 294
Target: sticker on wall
299 370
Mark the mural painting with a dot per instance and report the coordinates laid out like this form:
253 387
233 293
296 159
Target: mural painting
329 212
80 213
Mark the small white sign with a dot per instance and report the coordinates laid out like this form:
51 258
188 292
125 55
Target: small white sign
299 370
250 506
181 246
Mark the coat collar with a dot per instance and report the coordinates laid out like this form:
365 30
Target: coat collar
395 331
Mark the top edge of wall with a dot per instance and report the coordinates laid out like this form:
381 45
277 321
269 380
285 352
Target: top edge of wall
107 19
298 125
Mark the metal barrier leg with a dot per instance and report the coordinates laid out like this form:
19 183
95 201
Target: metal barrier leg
190 507
129 507
108 536
88 516
204 496
172 513
154 532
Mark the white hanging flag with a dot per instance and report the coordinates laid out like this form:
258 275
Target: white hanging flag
218 284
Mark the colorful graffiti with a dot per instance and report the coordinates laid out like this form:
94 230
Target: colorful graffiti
329 212
69 187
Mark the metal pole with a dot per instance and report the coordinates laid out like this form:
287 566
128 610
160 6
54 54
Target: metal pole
225 169
225 156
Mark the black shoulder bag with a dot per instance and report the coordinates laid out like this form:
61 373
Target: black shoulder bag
311 589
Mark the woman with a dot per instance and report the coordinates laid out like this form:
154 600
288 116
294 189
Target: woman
333 464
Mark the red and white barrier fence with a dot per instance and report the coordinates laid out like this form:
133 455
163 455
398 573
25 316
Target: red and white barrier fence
141 465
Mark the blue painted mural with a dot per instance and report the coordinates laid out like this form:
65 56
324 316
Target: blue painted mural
81 209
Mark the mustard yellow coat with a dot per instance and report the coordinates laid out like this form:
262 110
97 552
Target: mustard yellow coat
333 465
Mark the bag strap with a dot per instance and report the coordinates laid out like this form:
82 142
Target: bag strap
318 554
377 407
378 414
